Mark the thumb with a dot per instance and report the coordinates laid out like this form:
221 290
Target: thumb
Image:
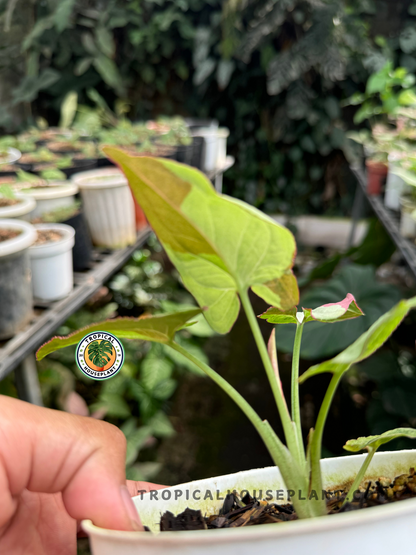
44 450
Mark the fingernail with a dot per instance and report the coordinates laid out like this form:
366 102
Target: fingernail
131 509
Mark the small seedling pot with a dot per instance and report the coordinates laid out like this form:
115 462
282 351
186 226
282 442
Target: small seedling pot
376 176
51 263
108 206
21 210
59 194
395 185
383 530
15 278
407 219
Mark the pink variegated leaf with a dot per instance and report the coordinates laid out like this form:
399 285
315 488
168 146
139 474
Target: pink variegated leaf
334 312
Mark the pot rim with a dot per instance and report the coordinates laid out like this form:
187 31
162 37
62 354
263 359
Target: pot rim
24 240
298 527
53 191
86 180
55 247
27 204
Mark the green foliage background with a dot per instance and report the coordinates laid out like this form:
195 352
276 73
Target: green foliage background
273 71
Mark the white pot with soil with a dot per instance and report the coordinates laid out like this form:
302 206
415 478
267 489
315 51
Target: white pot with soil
59 194
108 206
383 530
19 207
16 237
51 261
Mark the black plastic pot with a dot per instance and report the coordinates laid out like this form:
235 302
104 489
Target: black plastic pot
104 163
80 166
197 153
184 153
15 293
82 250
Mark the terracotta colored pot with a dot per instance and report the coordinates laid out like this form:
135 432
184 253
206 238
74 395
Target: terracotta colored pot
376 176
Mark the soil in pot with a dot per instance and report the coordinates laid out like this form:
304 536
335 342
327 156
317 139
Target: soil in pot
248 511
7 234
48 236
4 202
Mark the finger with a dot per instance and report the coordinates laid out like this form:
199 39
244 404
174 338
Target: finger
49 451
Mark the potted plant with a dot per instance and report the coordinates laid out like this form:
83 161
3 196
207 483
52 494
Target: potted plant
49 196
405 169
73 216
222 248
109 207
16 237
15 205
51 261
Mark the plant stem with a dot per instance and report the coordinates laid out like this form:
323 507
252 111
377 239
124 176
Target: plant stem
316 443
292 439
360 475
295 384
292 473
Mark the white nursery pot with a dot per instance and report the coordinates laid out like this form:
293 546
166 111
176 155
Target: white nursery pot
210 150
15 278
51 263
51 197
407 221
383 530
22 210
395 185
108 207
222 136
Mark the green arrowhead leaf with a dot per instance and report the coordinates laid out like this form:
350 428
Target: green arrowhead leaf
160 329
374 442
275 316
219 245
366 344
334 312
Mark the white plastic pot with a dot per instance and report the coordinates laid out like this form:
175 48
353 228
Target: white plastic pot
210 150
395 186
22 210
223 134
52 197
15 278
108 207
383 530
51 264
407 220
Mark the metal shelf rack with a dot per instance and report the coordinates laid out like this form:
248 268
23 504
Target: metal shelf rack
388 218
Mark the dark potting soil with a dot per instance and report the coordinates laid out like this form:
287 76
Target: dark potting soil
48 236
8 202
6 234
248 511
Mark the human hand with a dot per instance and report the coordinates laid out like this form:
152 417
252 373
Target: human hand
56 469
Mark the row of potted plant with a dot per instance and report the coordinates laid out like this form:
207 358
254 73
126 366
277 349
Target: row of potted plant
58 153
389 106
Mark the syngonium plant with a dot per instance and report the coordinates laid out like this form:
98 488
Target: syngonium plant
223 247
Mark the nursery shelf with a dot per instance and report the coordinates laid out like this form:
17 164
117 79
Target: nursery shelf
388 218
49 316
17 353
